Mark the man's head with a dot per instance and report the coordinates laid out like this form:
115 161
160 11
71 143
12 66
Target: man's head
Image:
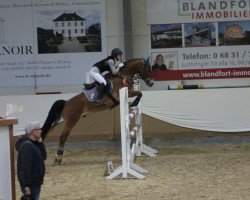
33 130
30 127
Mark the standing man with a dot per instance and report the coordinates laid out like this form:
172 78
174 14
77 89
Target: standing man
30 161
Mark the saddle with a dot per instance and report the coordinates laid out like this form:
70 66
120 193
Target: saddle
91 92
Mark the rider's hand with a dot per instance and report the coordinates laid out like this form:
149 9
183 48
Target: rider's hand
120 65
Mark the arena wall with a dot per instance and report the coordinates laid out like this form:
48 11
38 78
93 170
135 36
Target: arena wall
106 126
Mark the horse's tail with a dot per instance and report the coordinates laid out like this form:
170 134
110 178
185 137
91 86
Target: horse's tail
53 117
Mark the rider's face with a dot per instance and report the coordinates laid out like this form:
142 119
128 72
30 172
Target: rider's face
119 57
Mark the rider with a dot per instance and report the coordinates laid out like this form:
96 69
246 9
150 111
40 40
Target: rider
112 63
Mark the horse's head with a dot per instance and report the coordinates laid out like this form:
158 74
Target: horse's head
138 66
145 72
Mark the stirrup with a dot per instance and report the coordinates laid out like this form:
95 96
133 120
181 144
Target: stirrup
100 102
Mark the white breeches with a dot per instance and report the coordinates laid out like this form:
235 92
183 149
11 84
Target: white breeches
95 74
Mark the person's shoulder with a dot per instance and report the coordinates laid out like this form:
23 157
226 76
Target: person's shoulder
155 65
27 143
20 142
110 61
109 58
163 66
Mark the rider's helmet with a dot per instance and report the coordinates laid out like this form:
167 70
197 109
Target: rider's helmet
116 51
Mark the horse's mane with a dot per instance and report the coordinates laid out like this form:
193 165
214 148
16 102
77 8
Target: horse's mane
131 60
141 62
129 66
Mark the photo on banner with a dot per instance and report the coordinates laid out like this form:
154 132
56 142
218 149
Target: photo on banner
234 33
169 59
166 36
200 34
67 32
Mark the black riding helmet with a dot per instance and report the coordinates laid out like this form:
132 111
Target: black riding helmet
116 51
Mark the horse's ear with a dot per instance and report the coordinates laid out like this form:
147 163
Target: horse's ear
143 60
146 62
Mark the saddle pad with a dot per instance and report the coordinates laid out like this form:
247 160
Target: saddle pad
92 94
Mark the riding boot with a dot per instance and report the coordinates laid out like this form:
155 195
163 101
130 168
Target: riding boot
101 90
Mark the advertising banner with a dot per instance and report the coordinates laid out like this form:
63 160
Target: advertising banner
49 42
200 39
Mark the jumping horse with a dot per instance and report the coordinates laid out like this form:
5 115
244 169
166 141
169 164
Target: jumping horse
79 105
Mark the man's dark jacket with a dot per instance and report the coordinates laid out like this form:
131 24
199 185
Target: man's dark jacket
30 162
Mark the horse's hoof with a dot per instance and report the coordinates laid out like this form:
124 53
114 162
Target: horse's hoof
132 138
57 161
114 105
133 104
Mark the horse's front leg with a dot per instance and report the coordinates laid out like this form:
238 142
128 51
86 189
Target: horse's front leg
138 94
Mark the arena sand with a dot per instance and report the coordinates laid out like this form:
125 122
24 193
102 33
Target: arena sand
220 172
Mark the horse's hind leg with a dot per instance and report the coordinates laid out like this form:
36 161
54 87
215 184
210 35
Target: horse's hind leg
69 124
59 152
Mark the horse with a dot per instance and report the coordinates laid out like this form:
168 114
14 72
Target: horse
79 105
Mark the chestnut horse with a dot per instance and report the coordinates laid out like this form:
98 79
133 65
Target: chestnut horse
72 109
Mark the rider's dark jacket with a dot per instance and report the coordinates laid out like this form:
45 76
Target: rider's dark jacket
103 64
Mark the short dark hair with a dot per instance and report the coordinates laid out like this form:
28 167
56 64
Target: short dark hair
158 56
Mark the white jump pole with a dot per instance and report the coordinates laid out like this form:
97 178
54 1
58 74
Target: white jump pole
127 167
142 148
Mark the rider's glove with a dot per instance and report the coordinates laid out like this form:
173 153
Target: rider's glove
120 65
